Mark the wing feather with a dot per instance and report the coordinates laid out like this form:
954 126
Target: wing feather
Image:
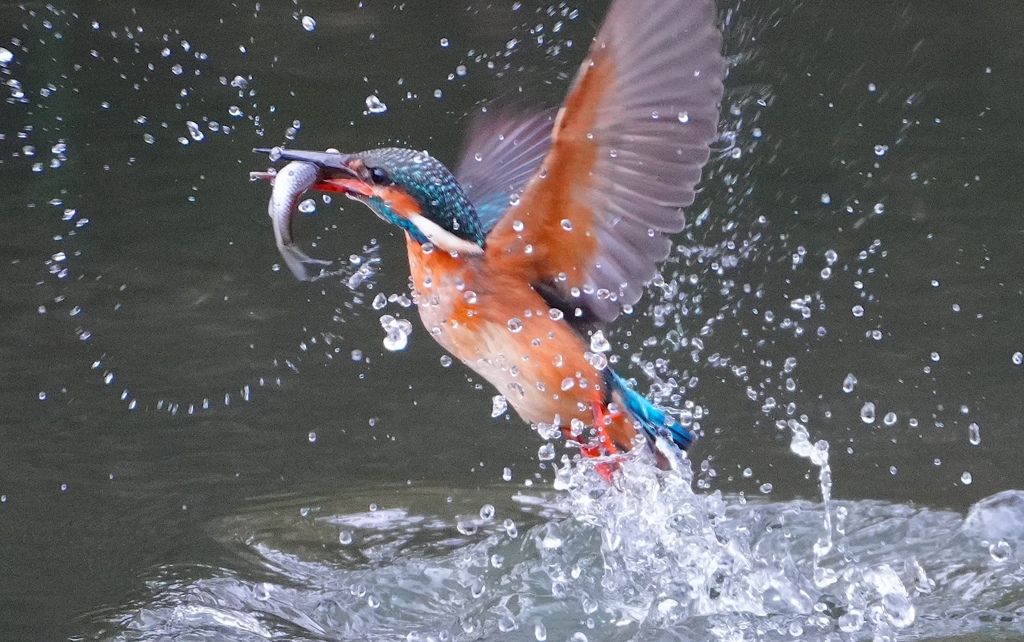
624 158
503 152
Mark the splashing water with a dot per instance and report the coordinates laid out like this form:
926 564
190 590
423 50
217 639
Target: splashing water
644 558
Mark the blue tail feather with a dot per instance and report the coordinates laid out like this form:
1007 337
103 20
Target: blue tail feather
655 422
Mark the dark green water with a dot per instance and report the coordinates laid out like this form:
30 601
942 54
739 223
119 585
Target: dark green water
907 115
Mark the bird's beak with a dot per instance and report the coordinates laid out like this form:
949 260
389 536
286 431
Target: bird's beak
338 172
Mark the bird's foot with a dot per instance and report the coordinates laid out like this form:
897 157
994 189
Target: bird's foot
601 444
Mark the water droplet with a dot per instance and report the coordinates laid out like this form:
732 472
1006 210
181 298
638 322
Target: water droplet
487 512
194 131
540 632
935 356
312 436
461 70
517 225
506 623
546 452
684 117
396 339
233 110
345 538
766 488
498 405
966 478
1017 358
851 622
974 434
858 311
374 105
880 150
1000 550
568 383
275 154
357 355
598 343
177 70
6 56
469 296
444 42
555 314
446 361
466 527
889 419
308 23
515 324
307 206
596 359
506 474
566 225
825 199
849 382
867 413
379 302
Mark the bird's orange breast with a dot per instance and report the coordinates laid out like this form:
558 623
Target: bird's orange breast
495 323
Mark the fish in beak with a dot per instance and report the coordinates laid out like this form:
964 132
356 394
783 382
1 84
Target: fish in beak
323 171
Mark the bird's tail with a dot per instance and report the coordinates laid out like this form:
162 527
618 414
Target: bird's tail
657 424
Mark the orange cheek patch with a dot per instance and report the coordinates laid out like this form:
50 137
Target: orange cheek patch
398 200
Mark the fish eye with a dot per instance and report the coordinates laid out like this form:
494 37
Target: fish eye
379 176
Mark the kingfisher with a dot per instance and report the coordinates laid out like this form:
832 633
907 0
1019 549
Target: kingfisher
552 223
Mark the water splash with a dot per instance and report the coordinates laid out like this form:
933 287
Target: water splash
645 558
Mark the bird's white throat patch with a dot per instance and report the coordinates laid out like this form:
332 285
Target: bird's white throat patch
442 238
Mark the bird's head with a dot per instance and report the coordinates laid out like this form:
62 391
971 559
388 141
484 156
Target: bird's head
408 188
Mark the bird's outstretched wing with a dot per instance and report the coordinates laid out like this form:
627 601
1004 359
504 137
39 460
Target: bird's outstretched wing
503 151
625 157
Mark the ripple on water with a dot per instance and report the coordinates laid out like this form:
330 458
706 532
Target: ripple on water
646 559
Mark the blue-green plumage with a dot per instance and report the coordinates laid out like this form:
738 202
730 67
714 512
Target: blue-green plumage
656 423
428 181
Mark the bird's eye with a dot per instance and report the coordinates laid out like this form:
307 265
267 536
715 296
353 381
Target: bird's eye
379 176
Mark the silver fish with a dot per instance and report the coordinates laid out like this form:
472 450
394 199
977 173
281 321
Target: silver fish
289 183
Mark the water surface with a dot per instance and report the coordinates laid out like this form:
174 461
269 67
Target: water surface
187 430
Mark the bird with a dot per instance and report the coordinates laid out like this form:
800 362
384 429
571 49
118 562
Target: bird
553 222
